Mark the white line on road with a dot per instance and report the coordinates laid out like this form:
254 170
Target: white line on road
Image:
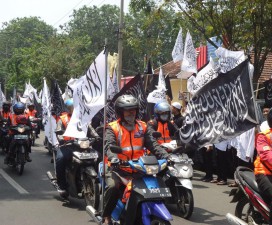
13 183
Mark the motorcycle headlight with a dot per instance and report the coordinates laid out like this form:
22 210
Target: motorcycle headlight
21 129
151 169
84 144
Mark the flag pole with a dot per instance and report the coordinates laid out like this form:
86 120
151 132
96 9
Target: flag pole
105 120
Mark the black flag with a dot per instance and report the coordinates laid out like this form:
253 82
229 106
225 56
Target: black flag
38 106
220 110
135 88
56 99
268 93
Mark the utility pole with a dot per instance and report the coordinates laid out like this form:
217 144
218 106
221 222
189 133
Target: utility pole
120 42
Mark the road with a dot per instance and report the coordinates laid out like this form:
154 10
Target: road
30 199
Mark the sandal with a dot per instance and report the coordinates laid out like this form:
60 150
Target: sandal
222 182
233 184
214 181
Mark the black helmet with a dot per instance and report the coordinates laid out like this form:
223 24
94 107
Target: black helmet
6 106
125 102
19 108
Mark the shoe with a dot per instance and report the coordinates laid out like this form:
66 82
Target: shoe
37 136
222 182
63 193
234 184
208 179
28 158
214 181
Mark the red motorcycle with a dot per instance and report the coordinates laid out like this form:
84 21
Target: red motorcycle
250 206
34 125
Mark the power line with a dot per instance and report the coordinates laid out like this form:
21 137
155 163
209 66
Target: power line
68 12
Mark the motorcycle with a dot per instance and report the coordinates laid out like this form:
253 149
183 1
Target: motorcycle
178 178
20 143
34 124
250 206
3 134
81 174
145 204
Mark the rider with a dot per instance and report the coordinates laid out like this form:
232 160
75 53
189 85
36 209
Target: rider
32 112
18 110
263 163
65 151
162 123
132 136
5 113
176 111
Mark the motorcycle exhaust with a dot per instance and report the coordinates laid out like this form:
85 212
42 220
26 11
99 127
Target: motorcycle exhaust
233 220
94 214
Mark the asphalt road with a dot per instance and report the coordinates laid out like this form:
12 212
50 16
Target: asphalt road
30 199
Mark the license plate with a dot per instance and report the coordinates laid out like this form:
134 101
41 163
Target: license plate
86 155
20 137
156 193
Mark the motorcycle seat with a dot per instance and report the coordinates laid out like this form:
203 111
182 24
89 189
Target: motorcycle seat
249 178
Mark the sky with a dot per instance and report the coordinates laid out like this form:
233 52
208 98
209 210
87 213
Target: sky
53 12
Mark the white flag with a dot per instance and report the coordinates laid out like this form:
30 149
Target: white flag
115 82
161 83
204 76
2 97
89 98
159 94
189 65
48 120
177 53
229 59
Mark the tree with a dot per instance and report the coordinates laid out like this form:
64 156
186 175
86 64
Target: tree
16 38
240 24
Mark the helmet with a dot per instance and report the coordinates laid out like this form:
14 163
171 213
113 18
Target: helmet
269 118
19 108
69 102
161 108
6 106
31 105
69 105
125 102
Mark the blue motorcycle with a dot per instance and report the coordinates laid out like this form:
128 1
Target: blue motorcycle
145 205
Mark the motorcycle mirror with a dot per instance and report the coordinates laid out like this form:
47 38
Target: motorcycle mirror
116 149
156 134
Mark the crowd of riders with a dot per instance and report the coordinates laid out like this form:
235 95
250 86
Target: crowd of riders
134 137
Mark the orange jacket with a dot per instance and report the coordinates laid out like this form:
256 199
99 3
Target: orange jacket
163 129
31 113
131 142
263 144
13 118
5 115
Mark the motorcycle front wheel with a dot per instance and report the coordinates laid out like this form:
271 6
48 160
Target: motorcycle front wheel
185 203
91 192
20 159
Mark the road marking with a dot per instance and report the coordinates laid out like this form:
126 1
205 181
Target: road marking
13 183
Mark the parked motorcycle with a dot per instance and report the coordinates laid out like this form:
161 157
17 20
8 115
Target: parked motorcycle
250 206
3 134
178 178
81 174
20 143
34 124
146 201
